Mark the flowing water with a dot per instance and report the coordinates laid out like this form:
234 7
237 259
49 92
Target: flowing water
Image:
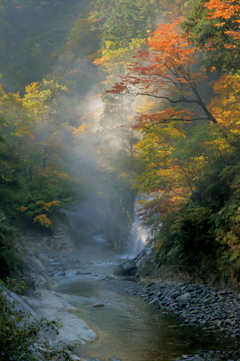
129 329
140 234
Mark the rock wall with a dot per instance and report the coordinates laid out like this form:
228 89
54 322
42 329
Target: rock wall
35 251
29 268
31 247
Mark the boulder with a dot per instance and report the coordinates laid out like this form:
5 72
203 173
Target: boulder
98 305
145 262
186 297
73 331
110 277
127 268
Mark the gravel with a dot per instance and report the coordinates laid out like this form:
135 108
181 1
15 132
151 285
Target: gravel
199 305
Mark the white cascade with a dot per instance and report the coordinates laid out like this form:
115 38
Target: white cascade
140 234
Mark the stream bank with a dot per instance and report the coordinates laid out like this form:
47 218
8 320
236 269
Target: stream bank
201 304
82 283
86 283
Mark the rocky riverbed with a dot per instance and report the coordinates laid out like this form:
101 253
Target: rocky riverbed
212 309
198 304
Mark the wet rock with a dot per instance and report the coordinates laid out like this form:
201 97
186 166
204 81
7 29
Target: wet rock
110 277
155 301
98 305
53 306
127 268
82 273
55 264
60 274
76 358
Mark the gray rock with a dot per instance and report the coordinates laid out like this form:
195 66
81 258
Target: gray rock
30 269
60 274
175 295
82 273
19 303
53 306
76 358
127 268
155 301
223 292
55 264
110 277
186 297
145 262
98 305
208 299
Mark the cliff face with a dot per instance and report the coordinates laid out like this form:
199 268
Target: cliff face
35 253
30 268
31 247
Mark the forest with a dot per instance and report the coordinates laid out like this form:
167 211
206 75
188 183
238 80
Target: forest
105 99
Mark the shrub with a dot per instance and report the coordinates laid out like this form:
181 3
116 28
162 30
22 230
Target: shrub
21 336
7 256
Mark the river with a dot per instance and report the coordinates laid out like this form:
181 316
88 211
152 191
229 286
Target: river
128 328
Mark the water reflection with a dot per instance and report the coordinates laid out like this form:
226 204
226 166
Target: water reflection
131 330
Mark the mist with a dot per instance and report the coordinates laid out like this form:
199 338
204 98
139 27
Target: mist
81 139
119 146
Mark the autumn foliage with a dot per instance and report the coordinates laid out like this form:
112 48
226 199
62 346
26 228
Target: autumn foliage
166 71
190 143
227 12
167 123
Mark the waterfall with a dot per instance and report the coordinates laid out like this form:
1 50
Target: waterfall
140 234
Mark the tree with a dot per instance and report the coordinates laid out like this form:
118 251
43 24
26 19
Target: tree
185 146
124 26
30 33
213 26
225 105
227 12
36 178
166 72
122 20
